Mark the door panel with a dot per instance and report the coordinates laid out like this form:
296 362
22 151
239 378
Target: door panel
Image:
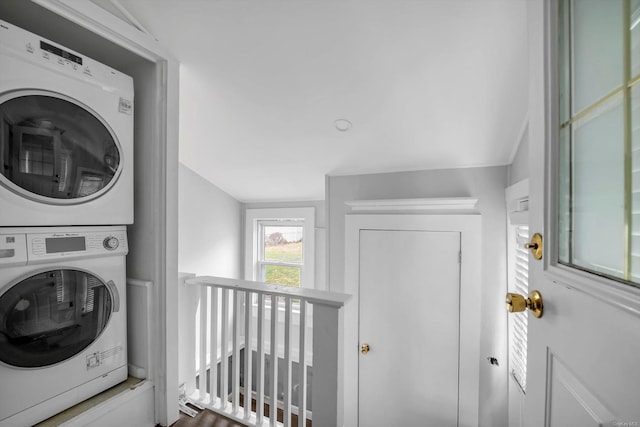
570 402
410 317
583 352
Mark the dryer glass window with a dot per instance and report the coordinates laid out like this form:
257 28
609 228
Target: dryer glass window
51 317
54 148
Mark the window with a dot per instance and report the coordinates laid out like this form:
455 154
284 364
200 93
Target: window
599 138
280 252
280 246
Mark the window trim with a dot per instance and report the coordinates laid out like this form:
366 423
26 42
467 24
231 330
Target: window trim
280 216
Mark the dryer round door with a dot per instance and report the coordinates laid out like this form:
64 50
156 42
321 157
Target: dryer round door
54 149
51 316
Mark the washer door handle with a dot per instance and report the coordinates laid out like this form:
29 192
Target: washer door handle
114 293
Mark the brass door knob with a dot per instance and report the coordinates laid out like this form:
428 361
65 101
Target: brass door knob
364 348
516 303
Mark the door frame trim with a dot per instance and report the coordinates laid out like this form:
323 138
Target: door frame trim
469 227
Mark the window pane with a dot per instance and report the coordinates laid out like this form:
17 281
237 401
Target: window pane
564 196
598 149
281 275
635 184
564 64
598 50
283 243
635 38
598 191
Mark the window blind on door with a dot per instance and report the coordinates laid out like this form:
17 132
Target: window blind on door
518 321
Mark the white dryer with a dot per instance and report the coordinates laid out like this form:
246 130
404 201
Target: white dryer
62 318
66 136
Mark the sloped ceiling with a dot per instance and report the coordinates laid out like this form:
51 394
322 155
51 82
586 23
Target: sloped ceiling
426 84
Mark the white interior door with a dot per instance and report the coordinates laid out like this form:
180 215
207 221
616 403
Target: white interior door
421 333
410 319
583 367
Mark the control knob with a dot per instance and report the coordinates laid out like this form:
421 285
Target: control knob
110 243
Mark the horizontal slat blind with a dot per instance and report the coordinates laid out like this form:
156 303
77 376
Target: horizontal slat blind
518 321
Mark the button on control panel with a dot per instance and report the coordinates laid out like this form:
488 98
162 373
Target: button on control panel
111 243
37 246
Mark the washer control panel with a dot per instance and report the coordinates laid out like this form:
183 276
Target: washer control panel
21 246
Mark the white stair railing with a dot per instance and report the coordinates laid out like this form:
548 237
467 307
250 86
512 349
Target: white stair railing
266 343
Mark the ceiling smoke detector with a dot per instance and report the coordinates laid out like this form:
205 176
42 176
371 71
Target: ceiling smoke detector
342 125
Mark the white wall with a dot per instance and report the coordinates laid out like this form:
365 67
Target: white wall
209 244
486 184
209 228
519 167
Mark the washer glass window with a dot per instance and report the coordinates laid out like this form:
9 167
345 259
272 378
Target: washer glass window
54 149
52 316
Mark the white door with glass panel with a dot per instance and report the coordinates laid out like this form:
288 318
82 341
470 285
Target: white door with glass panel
584 352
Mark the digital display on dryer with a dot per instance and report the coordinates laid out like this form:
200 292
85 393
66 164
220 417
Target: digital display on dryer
62 53
65 244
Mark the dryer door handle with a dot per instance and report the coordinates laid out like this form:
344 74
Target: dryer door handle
114 293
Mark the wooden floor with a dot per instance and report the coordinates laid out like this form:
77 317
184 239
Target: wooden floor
207 418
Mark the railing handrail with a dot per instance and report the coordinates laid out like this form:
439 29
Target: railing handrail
313 296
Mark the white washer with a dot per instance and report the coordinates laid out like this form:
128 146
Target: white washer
66 136
62 318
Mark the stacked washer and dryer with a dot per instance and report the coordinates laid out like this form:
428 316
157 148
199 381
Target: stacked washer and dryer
66 196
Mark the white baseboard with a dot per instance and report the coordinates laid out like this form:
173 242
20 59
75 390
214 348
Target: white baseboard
133 407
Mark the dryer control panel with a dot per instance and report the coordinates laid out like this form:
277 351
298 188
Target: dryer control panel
17 42
33 245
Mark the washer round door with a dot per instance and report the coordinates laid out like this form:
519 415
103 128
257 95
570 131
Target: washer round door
52 316
54 149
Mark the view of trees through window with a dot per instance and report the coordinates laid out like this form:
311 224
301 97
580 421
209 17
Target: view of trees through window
282 257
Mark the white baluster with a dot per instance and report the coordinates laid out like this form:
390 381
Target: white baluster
224 360
213 347
325 360
260 363
302 371
202 381
273 373
248 353
286 381
235 377
225 340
